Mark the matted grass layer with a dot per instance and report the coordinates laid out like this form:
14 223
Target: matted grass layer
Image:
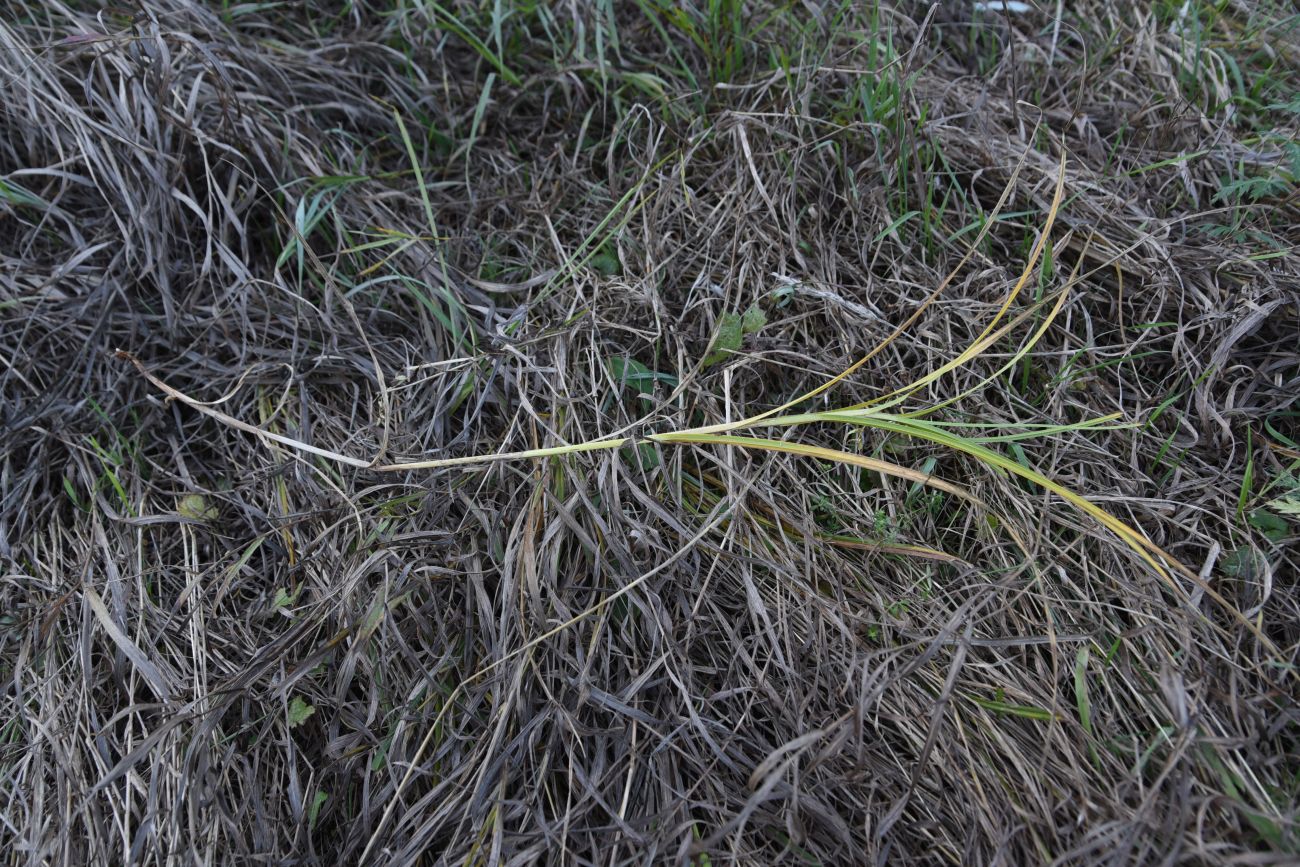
497 432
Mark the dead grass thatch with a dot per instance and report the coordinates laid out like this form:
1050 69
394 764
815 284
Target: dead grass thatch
406 233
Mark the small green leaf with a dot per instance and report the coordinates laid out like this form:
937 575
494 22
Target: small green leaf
378 610
643 455
731 332
196 508
753 320
1253 189
782 295
381 754
1245 563
283 598
1020 710
605 263
1264 826
71 491
634 374
14 194
1083 702
299 711
1270 526
318 800
1286 506
629 371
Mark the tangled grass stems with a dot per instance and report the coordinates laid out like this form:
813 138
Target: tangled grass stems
523 268
871 414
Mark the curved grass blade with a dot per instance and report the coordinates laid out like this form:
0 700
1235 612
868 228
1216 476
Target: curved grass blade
906 324
990 333
828 454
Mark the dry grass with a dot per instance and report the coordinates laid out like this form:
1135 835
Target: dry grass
404 233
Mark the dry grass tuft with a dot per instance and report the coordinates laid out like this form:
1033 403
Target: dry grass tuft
741 607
